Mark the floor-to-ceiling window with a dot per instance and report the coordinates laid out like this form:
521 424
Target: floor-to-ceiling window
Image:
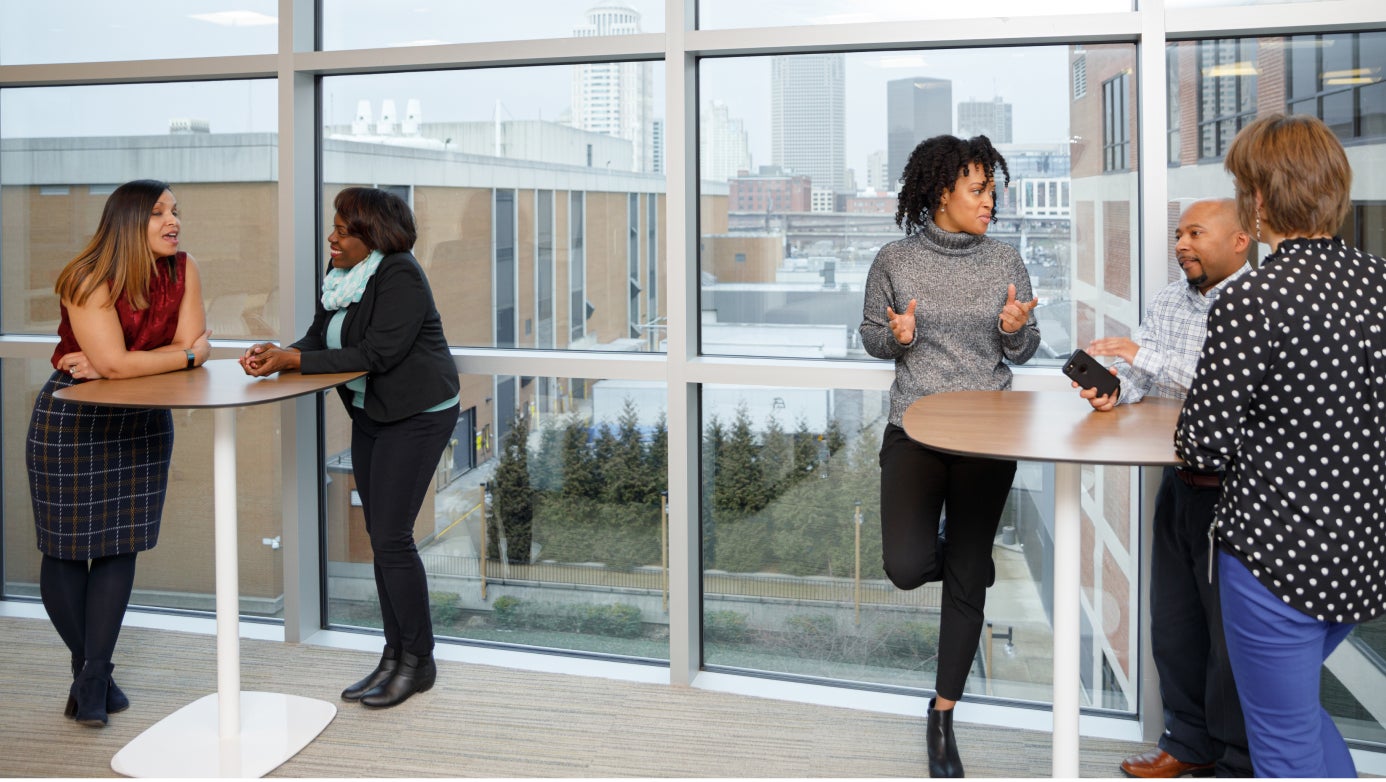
647 250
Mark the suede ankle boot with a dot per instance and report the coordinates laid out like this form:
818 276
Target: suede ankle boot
389 660
89 691
943 748
116 701
414 674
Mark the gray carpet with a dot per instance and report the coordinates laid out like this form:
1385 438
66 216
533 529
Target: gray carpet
482 721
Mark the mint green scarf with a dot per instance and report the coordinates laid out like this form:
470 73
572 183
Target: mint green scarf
342 287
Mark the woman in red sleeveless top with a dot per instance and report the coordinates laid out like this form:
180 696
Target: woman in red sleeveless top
131 306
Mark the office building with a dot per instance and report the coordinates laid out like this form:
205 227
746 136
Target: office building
807 119
917 108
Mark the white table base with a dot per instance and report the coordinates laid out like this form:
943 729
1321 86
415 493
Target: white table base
1067 593
187 743
229 733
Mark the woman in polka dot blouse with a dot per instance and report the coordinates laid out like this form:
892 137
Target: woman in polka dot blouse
1289 405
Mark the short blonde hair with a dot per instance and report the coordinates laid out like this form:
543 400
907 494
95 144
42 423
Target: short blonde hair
1299 168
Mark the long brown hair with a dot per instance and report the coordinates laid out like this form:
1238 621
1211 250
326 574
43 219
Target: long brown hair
118 252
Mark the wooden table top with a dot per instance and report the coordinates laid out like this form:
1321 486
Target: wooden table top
218 383
1045 426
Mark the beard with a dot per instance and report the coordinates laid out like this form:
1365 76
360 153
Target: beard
1197 282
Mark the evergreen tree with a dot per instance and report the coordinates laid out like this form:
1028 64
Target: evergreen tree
739 489
604 447
805 450
777 458
512 494
624 468
738 496
833 438
581 479
546 465
714 435
657 458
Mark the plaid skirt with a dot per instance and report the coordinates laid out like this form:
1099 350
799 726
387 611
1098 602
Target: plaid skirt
97 475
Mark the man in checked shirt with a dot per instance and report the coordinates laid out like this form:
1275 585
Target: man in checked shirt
1204 732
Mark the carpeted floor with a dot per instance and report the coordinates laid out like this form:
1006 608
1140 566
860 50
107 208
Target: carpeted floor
482 721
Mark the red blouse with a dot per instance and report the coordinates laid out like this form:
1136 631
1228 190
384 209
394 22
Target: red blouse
146 329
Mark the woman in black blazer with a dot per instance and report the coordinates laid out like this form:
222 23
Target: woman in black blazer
376 313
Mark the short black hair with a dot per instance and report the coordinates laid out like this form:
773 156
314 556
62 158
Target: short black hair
934 166
378 218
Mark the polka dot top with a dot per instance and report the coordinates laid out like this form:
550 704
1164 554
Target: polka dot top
1289 402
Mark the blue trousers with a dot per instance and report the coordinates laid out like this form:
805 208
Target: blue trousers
1277 653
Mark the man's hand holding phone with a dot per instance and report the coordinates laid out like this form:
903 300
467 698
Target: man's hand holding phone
1099 384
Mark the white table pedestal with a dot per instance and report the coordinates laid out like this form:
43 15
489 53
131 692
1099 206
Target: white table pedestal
187 743
229 733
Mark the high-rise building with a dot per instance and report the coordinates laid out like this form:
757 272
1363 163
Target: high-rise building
722 146
916 108
990 118
878 172
616 98
807 117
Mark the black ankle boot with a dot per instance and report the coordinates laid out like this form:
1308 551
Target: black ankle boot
414 674
116 701
943 748
389 659
89 692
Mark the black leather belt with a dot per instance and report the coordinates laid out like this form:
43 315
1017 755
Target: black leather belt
1203 480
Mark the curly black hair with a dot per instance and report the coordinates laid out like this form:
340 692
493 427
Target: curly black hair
934 166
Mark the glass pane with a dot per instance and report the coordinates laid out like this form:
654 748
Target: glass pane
1349 97
1210 3
524 182
359 24
569 475
1302 53
66 148
1338 114
714 14
179 571
783 269
793 580
83 31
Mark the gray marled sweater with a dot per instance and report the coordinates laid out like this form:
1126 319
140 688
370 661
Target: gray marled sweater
959 281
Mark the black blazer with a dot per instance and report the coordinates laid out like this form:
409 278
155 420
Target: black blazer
396 335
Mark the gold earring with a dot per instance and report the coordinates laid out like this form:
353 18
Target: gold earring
1258 226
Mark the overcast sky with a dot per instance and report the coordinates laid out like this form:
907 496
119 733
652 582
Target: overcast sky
1033 79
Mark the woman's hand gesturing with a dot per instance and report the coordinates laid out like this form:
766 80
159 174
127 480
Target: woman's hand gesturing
902 323
1015 313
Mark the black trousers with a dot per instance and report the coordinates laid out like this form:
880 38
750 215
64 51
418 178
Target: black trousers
1203 717
393 464
918 485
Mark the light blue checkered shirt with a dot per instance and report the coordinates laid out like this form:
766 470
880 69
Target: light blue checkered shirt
1171 339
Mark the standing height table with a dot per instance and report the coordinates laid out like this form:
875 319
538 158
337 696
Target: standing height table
1058 427
228 733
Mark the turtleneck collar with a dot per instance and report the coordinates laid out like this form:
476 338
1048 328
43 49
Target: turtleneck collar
947 242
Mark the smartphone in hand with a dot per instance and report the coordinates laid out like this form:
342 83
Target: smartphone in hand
1086 372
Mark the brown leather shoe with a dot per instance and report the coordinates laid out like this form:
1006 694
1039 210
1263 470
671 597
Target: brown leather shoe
1159 764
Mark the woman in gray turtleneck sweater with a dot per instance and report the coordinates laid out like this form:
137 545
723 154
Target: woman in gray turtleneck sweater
950 306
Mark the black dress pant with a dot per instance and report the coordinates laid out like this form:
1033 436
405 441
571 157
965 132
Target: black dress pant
919 486
393 464
1203 717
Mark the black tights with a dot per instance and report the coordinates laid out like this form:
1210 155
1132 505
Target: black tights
86 601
